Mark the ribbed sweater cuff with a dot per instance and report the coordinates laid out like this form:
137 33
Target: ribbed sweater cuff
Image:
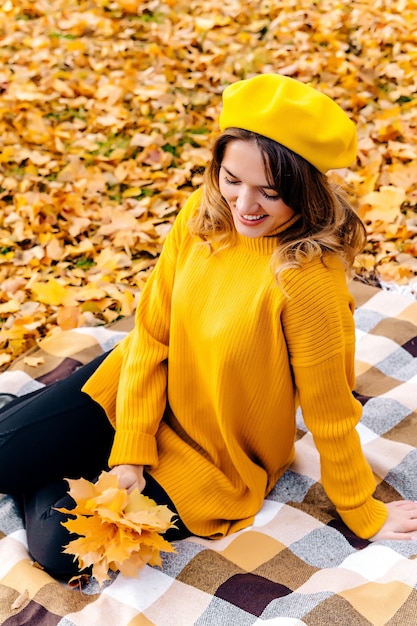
133 448
366 520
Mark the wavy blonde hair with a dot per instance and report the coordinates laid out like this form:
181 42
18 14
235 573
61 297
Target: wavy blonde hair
327 224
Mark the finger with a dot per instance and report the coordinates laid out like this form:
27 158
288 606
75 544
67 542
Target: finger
411 536
139 484
127 481
411 525
404 504
395 536
125 478
398 507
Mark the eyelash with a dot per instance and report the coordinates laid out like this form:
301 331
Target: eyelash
267 196
261 191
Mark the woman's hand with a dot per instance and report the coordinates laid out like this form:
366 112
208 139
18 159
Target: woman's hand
401 522
130 477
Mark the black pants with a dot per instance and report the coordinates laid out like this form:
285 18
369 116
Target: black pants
51 434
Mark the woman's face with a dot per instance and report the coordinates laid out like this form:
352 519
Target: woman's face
256 207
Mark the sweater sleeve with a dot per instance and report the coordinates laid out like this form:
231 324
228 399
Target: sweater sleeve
141 395
319 329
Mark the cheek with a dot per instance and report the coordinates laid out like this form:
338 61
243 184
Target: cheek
282 210
223 190
228 197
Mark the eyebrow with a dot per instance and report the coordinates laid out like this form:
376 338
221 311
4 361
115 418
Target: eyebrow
259 186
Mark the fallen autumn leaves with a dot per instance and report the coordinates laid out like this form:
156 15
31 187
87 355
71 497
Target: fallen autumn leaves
107 111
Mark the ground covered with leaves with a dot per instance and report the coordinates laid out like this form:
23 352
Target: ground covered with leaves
107 112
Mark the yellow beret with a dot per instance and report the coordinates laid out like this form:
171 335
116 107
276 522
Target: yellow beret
295 115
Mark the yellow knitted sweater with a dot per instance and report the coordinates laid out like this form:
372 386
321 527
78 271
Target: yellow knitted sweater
204 390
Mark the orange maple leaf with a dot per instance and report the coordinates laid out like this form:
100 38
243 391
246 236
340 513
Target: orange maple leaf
117 530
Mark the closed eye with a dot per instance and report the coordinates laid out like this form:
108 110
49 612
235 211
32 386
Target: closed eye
267 196
262 191
230 182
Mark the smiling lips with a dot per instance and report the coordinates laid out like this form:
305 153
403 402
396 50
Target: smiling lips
252 218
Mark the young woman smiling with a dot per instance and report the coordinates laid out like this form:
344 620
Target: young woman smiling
246 316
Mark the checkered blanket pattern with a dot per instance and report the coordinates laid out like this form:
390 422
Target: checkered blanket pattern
298 564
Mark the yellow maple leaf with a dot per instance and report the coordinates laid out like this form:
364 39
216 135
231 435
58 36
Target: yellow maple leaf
117 530
384 204
68 317
11 306
51 292
4 358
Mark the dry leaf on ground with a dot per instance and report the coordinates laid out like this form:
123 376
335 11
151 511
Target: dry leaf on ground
107 113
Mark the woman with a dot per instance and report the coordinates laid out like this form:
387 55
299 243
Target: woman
246 315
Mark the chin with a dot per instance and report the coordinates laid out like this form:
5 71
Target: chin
248 231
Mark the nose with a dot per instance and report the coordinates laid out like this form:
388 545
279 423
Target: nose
246 199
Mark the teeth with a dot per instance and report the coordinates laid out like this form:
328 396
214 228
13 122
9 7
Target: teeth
253 218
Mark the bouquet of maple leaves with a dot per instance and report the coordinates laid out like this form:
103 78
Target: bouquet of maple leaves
118 531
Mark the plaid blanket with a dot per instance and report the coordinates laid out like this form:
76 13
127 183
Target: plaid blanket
298 564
